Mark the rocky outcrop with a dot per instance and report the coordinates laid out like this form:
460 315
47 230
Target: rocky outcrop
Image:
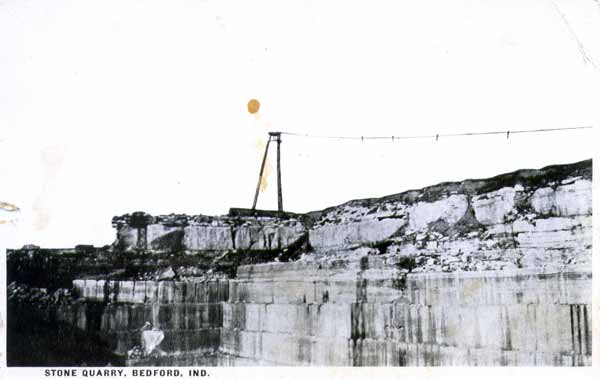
546 223
481 272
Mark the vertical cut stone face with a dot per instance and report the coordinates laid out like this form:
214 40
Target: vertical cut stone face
164 238
200 237
163 234
266 237
189 313
525 317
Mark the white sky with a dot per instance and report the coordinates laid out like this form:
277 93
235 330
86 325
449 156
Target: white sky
108 107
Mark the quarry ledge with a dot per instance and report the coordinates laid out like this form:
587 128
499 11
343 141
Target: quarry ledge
481 272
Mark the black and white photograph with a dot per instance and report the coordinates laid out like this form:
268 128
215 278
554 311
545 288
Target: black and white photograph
196 185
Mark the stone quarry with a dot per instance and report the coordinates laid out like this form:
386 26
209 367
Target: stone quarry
483 272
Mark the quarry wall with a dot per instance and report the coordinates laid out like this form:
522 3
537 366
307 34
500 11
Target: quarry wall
482 272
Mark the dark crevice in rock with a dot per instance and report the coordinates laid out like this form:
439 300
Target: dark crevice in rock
381 246
233 230
42 331
468 223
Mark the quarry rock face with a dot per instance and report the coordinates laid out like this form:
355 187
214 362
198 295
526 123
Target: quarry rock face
482 272
201 233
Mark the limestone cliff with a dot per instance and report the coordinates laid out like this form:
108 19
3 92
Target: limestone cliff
481 272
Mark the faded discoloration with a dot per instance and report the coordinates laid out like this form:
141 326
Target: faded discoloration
8 207
42 214
264 182
472 288
10 217
52 158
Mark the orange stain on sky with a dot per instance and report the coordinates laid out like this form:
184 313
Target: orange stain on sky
253 106
4 206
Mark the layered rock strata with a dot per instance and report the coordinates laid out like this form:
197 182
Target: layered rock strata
481 272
